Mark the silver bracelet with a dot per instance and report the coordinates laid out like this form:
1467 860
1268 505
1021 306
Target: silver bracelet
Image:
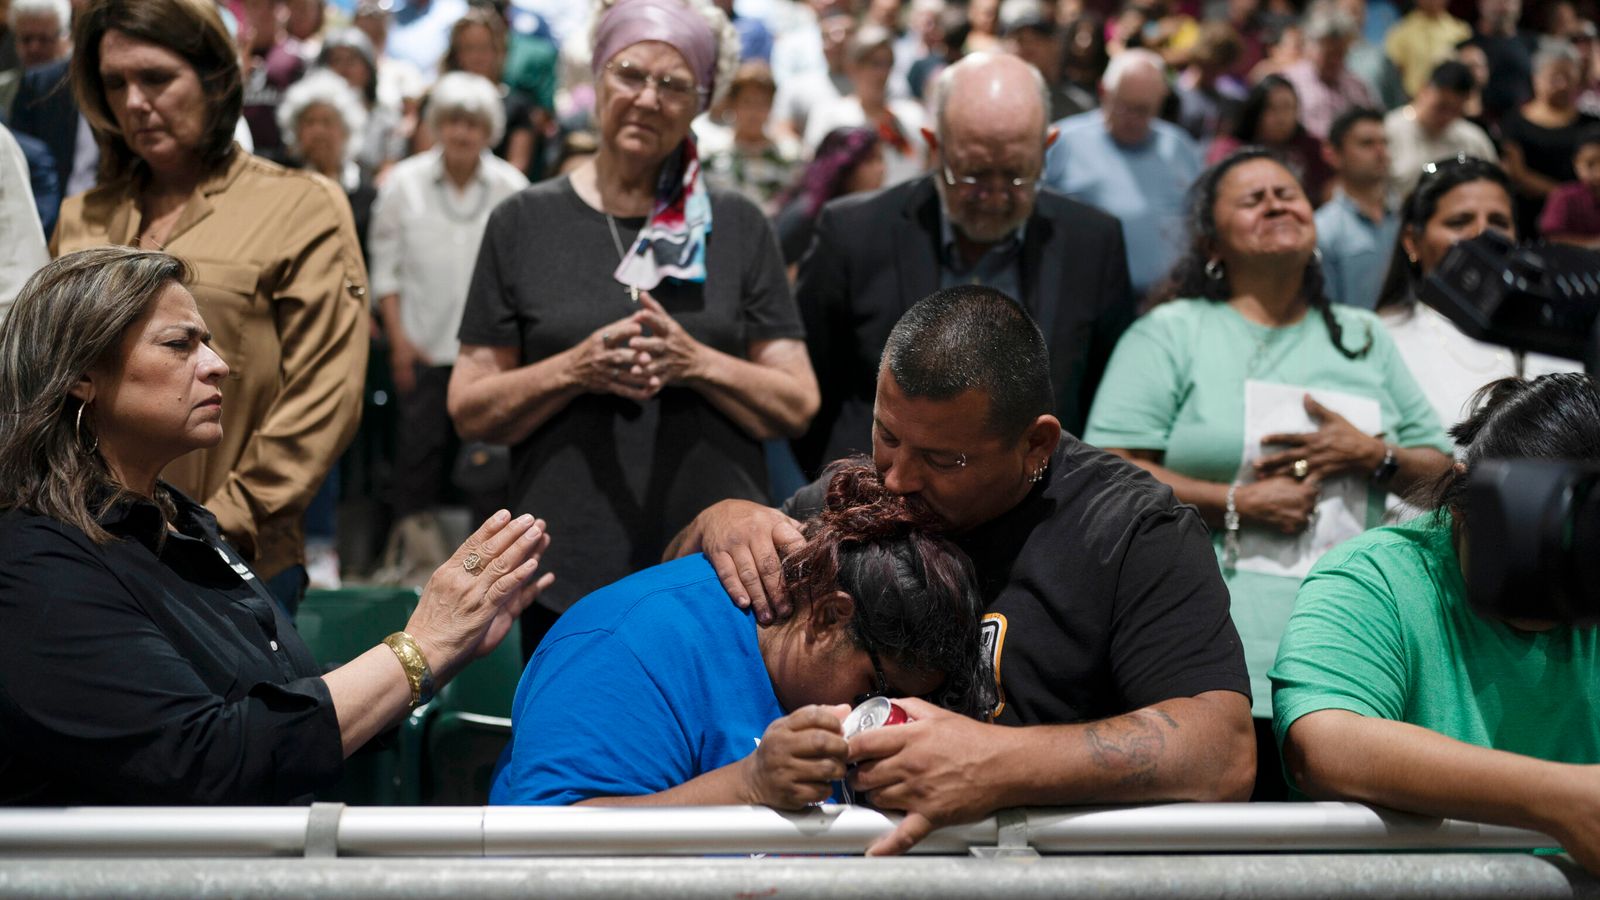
1230 521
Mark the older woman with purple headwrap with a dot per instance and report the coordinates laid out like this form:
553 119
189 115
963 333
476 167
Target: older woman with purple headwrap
629 332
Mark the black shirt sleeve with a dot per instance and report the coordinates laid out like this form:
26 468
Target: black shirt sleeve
97 697
1171 634
767 307
490 317
807 501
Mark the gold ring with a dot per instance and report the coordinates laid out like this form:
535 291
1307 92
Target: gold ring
1301 469
473 564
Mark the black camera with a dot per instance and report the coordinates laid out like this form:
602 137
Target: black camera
1535 524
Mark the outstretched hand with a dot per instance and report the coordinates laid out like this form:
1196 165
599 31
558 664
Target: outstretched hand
465 613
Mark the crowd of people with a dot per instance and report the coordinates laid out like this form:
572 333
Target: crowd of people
1057 369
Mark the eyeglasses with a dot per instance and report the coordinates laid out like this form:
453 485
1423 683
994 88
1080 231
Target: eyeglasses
672 90
980 183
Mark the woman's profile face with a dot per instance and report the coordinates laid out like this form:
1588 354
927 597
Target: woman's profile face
828 667
163 396
1279 118
1464 212
155 97
643 120
1261 211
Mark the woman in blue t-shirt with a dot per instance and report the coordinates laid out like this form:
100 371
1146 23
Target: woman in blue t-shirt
659 690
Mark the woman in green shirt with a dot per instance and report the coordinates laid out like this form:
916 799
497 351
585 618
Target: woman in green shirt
1242 325
1457 714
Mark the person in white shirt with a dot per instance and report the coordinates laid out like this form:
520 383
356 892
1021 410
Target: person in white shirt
22 248
426 226
1456 199
869 58
1431 127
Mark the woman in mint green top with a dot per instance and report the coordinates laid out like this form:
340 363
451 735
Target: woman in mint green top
1174 396
1456 714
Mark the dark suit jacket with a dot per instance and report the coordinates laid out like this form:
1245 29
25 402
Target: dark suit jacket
874 255
46 109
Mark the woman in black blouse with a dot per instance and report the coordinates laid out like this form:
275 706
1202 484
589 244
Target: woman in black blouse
1539 139
141 661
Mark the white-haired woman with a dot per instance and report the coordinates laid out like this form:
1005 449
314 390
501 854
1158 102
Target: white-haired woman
427 225
629 332
322 120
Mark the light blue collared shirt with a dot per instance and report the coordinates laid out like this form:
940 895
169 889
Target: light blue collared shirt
1355 250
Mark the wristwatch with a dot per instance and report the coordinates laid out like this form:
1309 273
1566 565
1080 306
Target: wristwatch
1386 469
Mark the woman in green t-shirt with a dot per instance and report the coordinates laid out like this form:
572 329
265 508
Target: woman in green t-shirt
1456 713
1212 393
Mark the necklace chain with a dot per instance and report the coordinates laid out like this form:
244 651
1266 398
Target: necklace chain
616 240
449 206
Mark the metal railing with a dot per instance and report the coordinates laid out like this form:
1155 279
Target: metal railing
336 830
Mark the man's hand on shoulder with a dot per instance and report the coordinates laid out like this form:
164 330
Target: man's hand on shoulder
746 543
938 768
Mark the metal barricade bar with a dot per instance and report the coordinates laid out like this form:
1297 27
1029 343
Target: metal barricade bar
1371 875
700 831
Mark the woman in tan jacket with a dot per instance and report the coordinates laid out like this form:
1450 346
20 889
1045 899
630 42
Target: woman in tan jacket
278 269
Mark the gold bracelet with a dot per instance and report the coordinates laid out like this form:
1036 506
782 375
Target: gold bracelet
418 675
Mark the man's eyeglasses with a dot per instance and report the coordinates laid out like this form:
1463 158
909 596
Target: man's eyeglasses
673 90
991 182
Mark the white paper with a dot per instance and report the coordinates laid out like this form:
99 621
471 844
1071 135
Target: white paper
1342 505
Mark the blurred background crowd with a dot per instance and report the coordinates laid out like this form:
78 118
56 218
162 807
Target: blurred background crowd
830 97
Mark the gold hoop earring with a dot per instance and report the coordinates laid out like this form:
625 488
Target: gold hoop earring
77 428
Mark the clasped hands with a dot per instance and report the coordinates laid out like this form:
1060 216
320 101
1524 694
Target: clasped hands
1284 495
638 355
930 767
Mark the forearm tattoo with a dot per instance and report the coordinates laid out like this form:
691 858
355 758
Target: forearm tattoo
1131 745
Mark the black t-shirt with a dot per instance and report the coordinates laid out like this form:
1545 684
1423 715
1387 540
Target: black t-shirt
1510 60
1547 151
151 671
1103 594
616 479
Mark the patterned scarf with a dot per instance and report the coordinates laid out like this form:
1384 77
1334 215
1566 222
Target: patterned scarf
672 243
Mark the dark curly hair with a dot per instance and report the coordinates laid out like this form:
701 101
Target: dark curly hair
1189 277
916 597
1549 417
